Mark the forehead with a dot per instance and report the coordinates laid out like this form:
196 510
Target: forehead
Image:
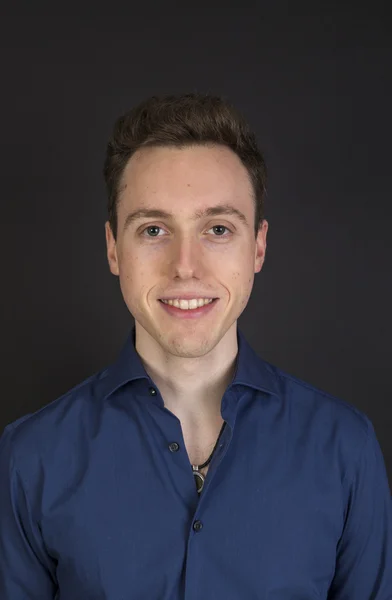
207 173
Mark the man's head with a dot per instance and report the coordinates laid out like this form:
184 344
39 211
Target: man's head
194 158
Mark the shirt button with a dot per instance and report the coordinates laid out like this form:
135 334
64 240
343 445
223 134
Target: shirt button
152 391
197 525
173 447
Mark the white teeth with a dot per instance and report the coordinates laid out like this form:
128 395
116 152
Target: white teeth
188 304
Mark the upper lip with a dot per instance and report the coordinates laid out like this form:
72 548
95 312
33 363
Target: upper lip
186 296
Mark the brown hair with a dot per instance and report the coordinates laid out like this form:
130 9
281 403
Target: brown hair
181 121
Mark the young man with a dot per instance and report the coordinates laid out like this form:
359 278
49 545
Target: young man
191 468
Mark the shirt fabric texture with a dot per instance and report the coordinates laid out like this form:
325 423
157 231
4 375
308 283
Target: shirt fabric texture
98 500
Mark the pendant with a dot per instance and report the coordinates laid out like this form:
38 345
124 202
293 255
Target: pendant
199 478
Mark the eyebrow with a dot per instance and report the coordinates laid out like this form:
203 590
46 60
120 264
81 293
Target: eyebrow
212 211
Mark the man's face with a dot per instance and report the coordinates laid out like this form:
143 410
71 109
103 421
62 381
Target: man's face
208 257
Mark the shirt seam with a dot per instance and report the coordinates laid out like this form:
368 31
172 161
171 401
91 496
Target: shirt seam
14 469
359 457
282 375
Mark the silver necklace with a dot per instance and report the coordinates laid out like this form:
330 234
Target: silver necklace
199 477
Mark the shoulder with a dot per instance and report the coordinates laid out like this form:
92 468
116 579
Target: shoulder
327 418
35 435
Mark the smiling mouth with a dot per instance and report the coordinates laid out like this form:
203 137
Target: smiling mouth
185 309
184 305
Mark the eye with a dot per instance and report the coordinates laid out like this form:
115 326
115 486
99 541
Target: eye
149 228
220 227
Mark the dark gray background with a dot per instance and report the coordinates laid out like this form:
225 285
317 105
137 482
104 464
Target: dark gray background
314 80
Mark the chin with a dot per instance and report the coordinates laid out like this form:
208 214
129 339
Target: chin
197 345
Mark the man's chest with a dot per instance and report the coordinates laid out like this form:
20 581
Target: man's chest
125 516
200 441
138 535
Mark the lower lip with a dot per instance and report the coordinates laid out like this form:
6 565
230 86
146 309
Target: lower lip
192 313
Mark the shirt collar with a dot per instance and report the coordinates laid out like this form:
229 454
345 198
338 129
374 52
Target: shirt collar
251 370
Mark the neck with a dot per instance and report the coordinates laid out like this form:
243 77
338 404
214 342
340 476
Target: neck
192 388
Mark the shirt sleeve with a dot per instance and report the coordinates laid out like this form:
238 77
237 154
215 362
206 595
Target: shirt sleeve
364 553
27 572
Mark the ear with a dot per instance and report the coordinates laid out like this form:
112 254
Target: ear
111 250
261 245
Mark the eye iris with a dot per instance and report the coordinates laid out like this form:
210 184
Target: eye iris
222 227
152 227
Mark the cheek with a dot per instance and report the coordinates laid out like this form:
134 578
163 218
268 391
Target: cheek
132 273
138 273
132 265
242 284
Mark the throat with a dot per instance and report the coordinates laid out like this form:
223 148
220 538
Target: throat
200 442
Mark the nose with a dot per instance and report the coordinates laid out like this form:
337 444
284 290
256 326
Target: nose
186 257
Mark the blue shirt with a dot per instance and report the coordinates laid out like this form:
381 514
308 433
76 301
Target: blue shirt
98 500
